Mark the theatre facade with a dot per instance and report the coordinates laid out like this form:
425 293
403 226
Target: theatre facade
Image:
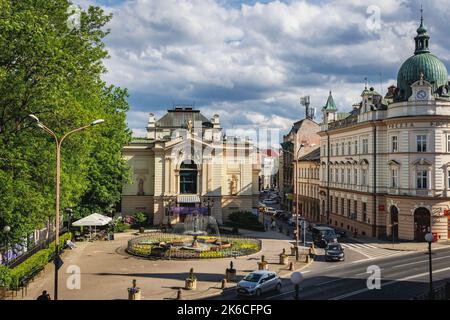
186 165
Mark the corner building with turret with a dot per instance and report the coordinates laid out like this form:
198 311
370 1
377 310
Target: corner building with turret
385 166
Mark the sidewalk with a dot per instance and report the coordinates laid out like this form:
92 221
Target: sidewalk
107 270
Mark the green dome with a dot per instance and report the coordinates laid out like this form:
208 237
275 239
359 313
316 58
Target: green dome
433 69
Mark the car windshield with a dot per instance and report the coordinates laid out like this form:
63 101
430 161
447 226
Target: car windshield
328 233
253 277
334 247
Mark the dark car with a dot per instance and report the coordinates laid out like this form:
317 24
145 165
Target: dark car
340 233
323 236
334 252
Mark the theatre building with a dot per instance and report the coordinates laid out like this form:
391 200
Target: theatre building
186 165
385 166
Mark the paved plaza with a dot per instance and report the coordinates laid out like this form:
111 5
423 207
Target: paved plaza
107 270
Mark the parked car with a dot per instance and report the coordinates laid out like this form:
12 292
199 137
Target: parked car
258 282
334 252
285 216
340 233
268 201
323 236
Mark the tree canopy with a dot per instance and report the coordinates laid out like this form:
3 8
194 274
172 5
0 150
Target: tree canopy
54 71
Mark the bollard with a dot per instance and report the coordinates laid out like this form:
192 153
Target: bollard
224 283
291 266
179 294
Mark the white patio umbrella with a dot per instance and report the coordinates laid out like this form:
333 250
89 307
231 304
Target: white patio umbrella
93 220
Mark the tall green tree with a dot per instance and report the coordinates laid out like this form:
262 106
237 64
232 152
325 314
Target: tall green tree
54 71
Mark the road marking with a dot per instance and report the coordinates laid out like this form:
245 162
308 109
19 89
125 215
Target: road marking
331 281
362 253
353 293
421 261
372 252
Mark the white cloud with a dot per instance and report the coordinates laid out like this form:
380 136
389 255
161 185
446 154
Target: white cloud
251 63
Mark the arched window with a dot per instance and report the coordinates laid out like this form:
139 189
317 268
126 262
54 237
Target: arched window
188 177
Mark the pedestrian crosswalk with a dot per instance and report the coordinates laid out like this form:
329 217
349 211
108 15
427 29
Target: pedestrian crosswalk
371 251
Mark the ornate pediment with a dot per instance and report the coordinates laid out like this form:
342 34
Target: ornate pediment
422 162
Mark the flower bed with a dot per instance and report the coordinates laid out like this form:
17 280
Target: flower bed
169 246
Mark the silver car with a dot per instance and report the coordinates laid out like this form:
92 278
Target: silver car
258 282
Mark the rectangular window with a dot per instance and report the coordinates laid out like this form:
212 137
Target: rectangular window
448 179
422 179
355 177
394 144
342 206
394 178
342 176
342 149
448 143
365 146
349 148
356 146
336 175
421 143
348 207
331 150
364 212
355 209
337 204
331 203
364 177
349 176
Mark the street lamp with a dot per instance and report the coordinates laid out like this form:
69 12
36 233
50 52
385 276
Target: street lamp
69 220
296 279
429 238
208 203
58 142
6 230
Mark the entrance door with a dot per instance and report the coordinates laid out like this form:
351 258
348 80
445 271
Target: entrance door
394 222
422 226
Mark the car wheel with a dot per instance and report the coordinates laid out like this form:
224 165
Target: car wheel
258 292
278 287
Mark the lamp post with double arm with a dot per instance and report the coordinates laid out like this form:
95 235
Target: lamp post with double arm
58 142
208 203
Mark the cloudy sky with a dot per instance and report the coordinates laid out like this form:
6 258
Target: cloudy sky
250 61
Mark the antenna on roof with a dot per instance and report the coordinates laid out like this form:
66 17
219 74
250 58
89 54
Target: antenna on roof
366 82
309 113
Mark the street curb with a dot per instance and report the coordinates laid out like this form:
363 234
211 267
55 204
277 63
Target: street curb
234 287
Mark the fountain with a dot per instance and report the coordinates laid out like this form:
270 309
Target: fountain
197 224
196 237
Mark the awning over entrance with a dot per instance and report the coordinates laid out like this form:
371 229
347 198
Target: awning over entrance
188 198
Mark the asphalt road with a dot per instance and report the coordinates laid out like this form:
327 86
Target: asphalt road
402 278
402 275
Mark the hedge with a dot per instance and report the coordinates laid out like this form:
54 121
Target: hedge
244 220
12 278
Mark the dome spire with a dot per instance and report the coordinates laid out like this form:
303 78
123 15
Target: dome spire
422 37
